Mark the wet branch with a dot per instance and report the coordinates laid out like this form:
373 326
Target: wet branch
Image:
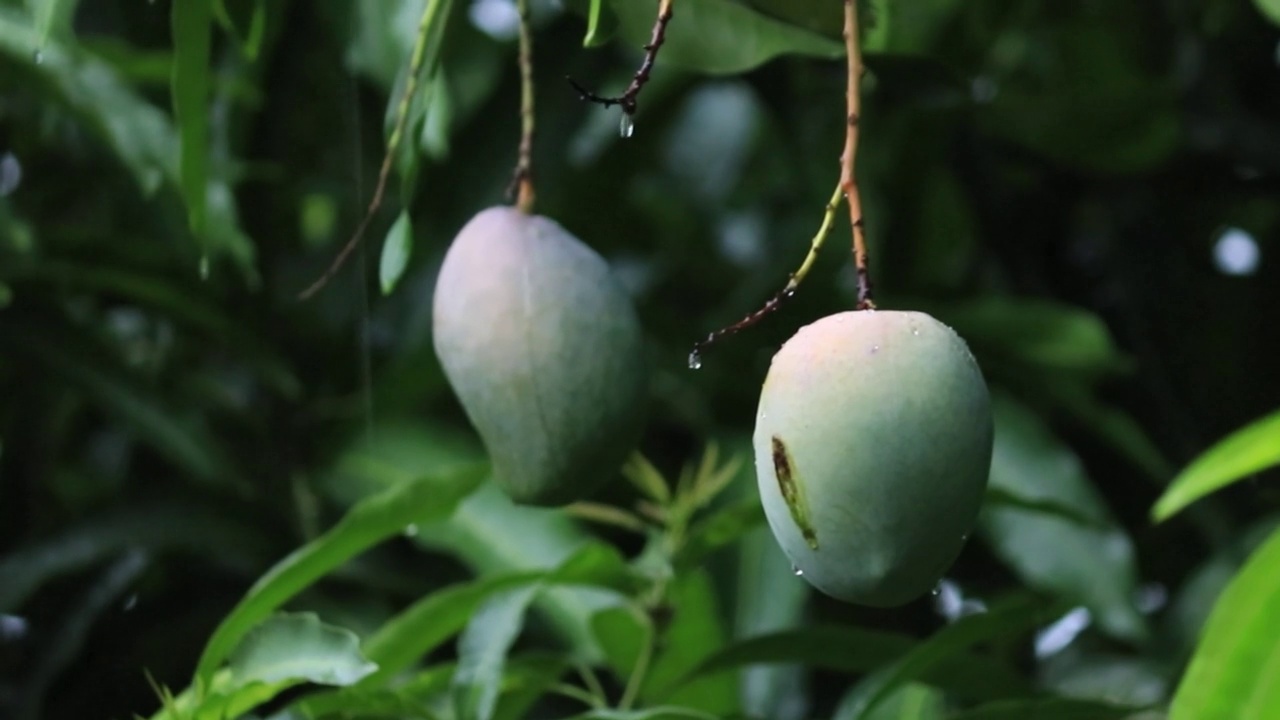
848 180
393 143
522 178
793 283
628 99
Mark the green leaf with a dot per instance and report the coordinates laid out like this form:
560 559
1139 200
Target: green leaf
491 535
857 650
395 252
653 713
695 632
44 14
1088 564
1270 9
192 36
1028 336
368 523
1249 450
1045 709
1002 622
599 25
623 632
912 701
1232 674
154 527
296 648
720 529
719 37
482 652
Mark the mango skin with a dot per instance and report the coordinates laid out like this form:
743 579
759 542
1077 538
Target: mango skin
544 350
878 423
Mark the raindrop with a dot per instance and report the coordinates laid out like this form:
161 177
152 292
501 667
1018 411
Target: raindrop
10 173
797 571
130 602
38 56
915 331
695 360
411 530
875 349
936 589
1059 635
627 127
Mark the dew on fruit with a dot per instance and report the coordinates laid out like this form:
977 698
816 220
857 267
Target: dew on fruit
797 571
695 360
875 349
627 127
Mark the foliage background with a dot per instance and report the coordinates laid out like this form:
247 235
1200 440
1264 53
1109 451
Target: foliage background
1052 180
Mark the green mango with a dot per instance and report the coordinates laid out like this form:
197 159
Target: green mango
543 348
872 446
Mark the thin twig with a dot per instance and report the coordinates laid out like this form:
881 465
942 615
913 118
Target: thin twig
848 180
628 99
793 283
522 178
393 143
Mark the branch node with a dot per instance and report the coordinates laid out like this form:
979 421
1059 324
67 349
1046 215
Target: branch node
628 99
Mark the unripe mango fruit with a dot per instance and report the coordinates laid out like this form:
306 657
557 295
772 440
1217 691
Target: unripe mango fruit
544 351
873 444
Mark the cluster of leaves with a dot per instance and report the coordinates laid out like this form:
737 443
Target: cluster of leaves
173 422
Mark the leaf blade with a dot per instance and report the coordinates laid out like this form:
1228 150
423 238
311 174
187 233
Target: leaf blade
369 522
192 35
395 252
1251 449
1231 674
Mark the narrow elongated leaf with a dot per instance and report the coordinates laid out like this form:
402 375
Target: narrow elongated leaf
912 701
192 36
423 626
694 633
154 527
1015 617
295 648
653 713
1253 448
1051 709
1091 564
1269 9
857 650
45 14
600 25
395 252
718 36
368 523
1232 675
482 652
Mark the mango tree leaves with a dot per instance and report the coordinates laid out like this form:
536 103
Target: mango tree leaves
1013 617
296 648
1269 8
369 522
482 652
1089 564
719 37
395 252
1250 449
45 14
1232 674
192 26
